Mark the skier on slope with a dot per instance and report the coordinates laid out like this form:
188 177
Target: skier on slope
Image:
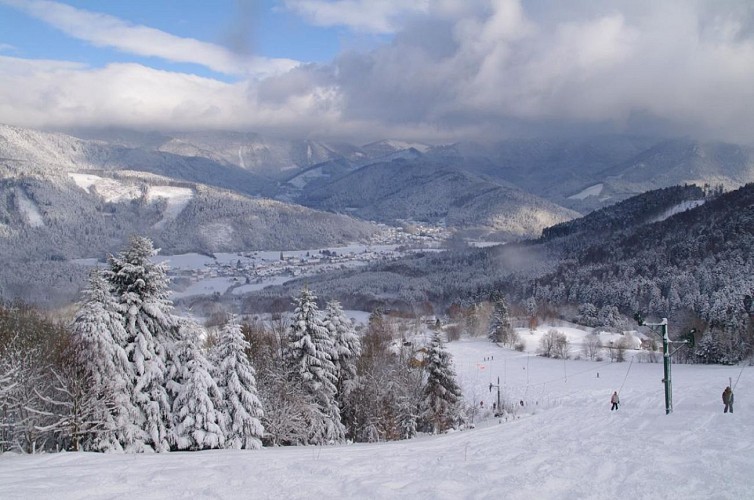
728 399
615 400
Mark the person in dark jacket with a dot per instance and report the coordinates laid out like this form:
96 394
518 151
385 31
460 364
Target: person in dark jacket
615 400
728 399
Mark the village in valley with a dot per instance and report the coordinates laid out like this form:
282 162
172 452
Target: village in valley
237 273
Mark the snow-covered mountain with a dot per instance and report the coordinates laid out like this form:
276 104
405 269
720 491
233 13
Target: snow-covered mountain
552 168
66 197
432 193
270 157
63 198
590 173
381 149
683 161
581 173
25 152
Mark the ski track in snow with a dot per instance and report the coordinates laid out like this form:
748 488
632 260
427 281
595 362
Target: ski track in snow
29 209
590 191
564 443
240 157
176 198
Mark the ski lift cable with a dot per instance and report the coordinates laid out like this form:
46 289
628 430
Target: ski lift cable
739 376
626 377
588 370
592 369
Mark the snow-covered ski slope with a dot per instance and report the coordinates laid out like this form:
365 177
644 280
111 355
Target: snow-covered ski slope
564 443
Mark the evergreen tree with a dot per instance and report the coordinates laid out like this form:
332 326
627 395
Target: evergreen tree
441 393
236 378
500 325
140 288
98 342
347 346
588 314
199 421
309 359
346 354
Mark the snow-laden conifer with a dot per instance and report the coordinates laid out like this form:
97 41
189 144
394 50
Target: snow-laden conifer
98 338
309 357
441 392
500 323
141 289
236 378
199 422
347 346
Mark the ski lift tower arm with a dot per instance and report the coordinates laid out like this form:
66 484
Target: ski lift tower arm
661 329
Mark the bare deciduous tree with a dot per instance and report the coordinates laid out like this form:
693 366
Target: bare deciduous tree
592 346
554 344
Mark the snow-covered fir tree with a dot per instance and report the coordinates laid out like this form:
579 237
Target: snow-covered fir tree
347 346
141 289
199 422
718 346
441 392
500 324
309 355
98 338
236 378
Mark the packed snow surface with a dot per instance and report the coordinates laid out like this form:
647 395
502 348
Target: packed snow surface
176 198
590 191
681 207
562 443
29 209
111 190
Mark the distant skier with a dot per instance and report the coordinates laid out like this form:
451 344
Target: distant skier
728 399
615 400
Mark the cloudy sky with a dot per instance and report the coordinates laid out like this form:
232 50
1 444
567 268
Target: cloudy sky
360 70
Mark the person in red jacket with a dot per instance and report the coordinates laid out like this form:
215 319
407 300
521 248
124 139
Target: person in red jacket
728 399
615 400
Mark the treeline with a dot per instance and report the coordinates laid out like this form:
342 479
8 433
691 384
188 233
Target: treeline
626 214
695 268
128 374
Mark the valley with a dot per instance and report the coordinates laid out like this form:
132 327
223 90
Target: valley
221 274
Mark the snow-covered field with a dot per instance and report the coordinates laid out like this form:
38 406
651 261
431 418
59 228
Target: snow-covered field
563 443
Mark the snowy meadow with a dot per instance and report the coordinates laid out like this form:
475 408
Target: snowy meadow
562 443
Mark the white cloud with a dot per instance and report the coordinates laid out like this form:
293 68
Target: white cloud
475 69
685 65
108 31
369 16
55 94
